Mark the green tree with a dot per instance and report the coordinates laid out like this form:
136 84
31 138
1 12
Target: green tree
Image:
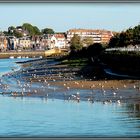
17 34
114 41
136 35
36 30
6 33
87 41
33 30
129 37
122 40
11 30
76 43
47 31
94 50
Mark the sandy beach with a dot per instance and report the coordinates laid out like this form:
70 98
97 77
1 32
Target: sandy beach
102 84
65 76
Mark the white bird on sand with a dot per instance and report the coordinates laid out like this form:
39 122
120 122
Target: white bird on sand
114 93
35 91
124 86
68 88
134 86
118 101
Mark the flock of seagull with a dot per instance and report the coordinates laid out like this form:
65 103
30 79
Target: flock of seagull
26 87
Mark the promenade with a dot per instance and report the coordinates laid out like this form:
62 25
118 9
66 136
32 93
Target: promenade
31 54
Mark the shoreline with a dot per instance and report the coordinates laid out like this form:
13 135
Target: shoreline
31 53
56 80
61 74
15 54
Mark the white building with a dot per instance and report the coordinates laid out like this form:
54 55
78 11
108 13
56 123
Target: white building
60 41
54 41
14 40
24 42
98 36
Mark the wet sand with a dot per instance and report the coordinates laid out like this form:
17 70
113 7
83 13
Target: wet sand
104 84
63 82
63 75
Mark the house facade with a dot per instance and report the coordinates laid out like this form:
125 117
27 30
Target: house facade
98 36
105 36
24 42
3 43
51 41
12 42
60 41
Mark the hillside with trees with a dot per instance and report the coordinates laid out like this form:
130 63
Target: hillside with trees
129 37
47 31
30 29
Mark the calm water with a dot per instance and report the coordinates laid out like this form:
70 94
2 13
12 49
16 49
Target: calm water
6 65
29 117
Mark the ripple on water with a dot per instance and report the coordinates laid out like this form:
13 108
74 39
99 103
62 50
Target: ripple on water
33 117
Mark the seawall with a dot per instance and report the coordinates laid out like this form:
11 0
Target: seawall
29 53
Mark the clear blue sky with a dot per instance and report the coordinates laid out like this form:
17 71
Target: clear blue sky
64 16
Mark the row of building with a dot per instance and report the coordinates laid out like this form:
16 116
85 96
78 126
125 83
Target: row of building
49 41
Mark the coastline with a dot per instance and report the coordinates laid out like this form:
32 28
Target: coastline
62 74
56 80
49 78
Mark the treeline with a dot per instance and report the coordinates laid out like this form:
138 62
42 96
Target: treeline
122 62
28 28
79 50
129 37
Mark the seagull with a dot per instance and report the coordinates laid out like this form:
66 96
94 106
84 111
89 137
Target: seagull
104 102
134 86
68 88
124 86
118 101
114 93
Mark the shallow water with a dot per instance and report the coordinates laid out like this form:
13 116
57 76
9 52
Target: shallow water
46 118
41 117
6 65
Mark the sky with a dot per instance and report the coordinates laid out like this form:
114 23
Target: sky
64 16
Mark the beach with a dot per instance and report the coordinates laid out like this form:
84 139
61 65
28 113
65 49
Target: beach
56 80
62 75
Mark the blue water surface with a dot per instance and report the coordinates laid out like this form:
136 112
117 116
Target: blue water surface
46 118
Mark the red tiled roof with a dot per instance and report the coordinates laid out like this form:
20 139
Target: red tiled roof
90 30
59 35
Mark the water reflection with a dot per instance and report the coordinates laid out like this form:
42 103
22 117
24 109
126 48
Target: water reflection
133 110
67 118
